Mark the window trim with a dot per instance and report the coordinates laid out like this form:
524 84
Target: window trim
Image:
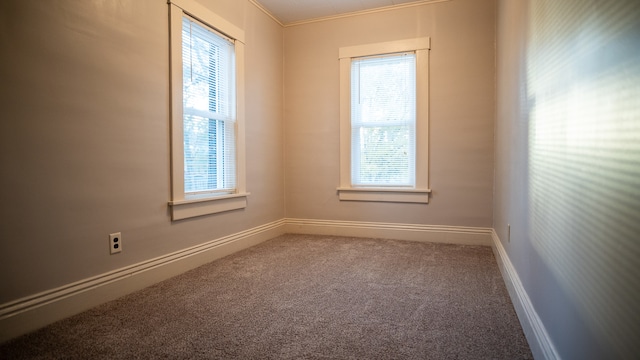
419 193
182 208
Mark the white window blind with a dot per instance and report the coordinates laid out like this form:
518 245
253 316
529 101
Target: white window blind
209 110
383 120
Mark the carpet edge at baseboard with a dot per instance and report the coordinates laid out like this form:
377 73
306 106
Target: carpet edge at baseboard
539 340
33 312
460 235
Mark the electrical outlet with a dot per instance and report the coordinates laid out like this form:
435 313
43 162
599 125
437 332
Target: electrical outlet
115 243
508 233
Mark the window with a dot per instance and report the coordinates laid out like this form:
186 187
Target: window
384 122
207 113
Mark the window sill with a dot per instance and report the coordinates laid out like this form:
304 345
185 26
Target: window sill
400 195
184 209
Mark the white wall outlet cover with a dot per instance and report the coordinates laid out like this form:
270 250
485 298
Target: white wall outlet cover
115 243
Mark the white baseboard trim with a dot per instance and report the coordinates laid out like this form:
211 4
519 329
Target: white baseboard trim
32 312
412 232
35 311
539 341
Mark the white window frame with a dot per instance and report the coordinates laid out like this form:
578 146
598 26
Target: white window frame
181 206
420 192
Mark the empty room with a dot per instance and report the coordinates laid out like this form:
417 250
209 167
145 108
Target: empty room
320 179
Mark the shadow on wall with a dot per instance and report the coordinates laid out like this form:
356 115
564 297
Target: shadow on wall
583 87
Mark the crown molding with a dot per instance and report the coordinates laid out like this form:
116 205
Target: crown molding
344 15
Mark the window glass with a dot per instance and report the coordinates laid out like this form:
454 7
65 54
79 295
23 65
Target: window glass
209 110
383 117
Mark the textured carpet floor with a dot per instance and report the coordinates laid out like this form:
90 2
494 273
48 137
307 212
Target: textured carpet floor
304 297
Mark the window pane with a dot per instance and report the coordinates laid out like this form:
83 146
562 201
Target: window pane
200 166
383 120
383 155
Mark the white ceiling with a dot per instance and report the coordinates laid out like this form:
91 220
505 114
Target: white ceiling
291 11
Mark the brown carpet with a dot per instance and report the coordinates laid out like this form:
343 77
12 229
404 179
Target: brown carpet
304 297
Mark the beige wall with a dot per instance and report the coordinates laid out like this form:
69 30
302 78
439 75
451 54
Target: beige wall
84 137
461 116
84 141
568 167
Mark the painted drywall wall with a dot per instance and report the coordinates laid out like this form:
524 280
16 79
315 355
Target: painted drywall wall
461 113
84 137
568 167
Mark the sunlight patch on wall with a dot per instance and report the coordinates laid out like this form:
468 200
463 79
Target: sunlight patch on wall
583 75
